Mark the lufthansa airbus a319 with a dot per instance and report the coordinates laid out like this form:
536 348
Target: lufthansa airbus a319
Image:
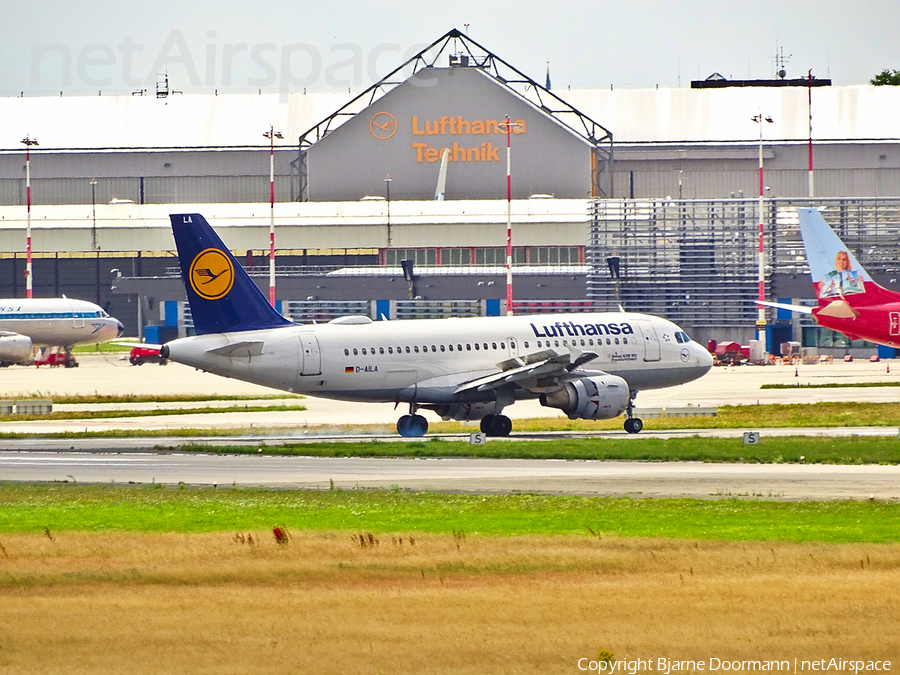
590 366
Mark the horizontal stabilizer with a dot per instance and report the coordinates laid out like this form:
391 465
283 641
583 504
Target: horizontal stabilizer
241 349
800 309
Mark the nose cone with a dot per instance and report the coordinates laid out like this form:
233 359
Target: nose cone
704 358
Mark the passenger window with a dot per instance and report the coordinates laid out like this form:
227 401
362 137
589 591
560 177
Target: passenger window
346 352
416 349
608 341
381 350
493 345
526 344
450 347
443 349
459 348
355 353
502 346
476 346
363 351
390 350
433 348
468 348
617 340
485 346
556 342
407 350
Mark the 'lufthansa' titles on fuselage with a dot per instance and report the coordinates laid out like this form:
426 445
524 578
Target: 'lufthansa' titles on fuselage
572 329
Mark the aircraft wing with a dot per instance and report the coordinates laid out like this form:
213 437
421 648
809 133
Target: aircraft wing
533 371
780 305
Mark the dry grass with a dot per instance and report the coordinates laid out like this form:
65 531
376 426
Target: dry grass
434 604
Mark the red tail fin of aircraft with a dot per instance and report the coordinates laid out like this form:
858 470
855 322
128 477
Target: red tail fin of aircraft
849 301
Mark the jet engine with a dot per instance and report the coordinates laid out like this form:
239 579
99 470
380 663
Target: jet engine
14 348
591 398
465 411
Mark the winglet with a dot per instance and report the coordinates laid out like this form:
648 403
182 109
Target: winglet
222 295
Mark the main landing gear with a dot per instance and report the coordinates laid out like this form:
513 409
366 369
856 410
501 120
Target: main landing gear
412 425
633 425
496 425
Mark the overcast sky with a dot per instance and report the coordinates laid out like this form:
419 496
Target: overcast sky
119 47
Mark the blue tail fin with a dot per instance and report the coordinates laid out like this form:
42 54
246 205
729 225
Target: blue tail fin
222 296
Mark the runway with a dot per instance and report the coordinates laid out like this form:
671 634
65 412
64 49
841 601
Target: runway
595 478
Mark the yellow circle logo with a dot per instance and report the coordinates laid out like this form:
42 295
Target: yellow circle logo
383 125
212 274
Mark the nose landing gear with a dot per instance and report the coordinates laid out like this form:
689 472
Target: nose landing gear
633 425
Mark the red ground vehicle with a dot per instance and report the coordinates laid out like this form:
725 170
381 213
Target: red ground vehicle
141 355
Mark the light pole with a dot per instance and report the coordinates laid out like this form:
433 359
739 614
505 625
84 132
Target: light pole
387 187
271 134
28 141
94 246
761 319
509 292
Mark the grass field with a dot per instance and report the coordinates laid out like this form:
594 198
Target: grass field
778 449
144 580
71 508
116 603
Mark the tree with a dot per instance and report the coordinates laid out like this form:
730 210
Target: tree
886 76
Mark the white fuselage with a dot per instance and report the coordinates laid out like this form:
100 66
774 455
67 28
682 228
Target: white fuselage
426 361
58 322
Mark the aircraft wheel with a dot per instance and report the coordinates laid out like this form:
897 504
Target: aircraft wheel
486 424
634 425
499 425
412 426
71 363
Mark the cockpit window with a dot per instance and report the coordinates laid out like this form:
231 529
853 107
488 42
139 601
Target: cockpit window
681 337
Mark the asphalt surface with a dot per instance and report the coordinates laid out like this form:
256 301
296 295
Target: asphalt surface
636 479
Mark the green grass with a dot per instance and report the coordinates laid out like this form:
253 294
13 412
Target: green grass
145 398
831 385
70 508
770 449
114 414
103 348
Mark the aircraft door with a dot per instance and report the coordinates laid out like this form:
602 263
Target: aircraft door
513 346
77 318
312 358
651 341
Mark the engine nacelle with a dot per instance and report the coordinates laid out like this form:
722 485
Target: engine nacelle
590 398
466 411
14 348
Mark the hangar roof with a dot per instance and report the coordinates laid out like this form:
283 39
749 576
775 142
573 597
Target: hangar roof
634 115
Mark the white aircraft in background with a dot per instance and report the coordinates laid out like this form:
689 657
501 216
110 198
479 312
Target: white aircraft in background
464 369
51 322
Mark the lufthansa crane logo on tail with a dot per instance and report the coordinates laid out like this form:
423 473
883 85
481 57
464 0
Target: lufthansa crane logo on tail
212 274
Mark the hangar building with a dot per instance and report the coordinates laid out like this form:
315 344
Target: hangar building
688 157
